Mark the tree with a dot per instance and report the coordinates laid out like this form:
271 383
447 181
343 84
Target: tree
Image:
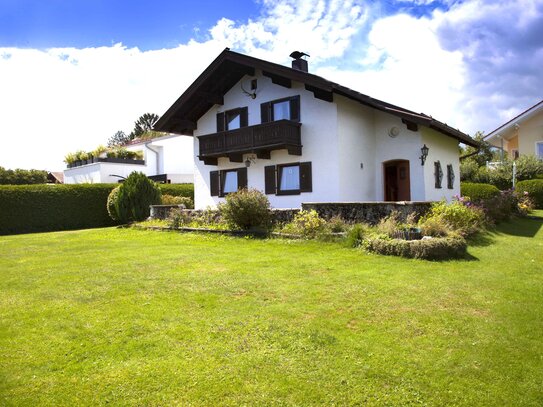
485 152
118 139
144 124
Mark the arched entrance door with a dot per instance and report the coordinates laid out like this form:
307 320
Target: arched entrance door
397 180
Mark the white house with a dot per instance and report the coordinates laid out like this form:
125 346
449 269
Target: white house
300 138
165 159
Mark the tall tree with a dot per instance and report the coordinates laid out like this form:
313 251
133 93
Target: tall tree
144 124
120 138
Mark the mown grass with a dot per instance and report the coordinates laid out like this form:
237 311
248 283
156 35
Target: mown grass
128 317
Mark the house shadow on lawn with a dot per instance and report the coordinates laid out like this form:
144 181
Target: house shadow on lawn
522 227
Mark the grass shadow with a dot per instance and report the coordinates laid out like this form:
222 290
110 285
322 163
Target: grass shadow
482 239
522 227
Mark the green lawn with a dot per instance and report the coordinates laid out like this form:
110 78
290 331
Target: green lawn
127 317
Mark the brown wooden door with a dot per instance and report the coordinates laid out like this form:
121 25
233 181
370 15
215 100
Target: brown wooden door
397 180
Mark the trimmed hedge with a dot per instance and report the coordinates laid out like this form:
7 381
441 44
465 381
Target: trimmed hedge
41 208
478 192
534 187
439 248
186 190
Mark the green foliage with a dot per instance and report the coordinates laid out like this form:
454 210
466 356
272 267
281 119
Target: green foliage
22 177
144 124
535 190
477 192
501 176
463 219
484 153
443 248
40 208
118 139
246 209
307 224
111 202
356 234
177 200
178 190
135 196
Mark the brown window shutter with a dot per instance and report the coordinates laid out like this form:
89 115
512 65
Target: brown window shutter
242 178
220 122
265 112
244 117
306 183
295 108
270 180
438 174
450 176
214 183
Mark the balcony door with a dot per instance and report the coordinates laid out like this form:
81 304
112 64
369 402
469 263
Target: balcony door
397 180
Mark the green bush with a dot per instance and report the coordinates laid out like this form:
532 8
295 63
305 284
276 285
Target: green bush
453 246
41 208
356 234
246 209
463 219
135 196
307 224
22 177
178 200
535 190
111 202
477 192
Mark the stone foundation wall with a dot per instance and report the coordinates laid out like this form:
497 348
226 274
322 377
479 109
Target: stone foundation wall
366 212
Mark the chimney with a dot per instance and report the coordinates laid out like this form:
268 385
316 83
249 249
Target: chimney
299 63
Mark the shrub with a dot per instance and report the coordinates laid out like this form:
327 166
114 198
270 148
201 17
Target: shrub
453 246
477 191
336 224
464 219
246 209
22 177
135 196
307 224
390 225
178 200
535 190
178 218
40 208
356 234
111 202
434 227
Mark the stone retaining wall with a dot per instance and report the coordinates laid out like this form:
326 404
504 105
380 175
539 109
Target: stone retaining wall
367 212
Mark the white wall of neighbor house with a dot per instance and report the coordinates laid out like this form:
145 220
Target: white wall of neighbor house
445 150
100 173
318 134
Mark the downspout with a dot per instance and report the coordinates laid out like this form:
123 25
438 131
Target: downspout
157 155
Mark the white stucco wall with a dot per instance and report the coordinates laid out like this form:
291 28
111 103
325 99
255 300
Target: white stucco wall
445 150
99 173
318 133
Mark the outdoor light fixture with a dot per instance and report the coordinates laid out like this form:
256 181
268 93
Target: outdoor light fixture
424 154
251 159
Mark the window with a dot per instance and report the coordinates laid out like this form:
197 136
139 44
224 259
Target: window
232 119
288 179
223 182
281 109
438 174
515 154
450 176
539 150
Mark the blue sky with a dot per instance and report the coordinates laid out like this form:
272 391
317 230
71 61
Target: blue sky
72 72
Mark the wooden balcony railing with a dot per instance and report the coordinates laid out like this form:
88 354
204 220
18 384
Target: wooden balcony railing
259 139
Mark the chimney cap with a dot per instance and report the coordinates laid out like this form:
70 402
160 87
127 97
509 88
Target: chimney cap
298 54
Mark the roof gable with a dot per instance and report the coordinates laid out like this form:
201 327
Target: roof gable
506 127
229 67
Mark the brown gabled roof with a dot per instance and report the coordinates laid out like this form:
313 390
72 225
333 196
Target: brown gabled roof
229 67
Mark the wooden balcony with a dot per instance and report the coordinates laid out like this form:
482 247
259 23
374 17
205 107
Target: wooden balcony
260 140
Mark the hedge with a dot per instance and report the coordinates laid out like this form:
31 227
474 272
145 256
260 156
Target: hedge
534 187
186 190
478 192
42 208
437 248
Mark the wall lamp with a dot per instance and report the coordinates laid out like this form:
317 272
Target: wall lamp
423 154
251 159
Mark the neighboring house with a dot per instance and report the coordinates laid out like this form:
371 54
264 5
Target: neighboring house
166 159
521 135
55 178
300 138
